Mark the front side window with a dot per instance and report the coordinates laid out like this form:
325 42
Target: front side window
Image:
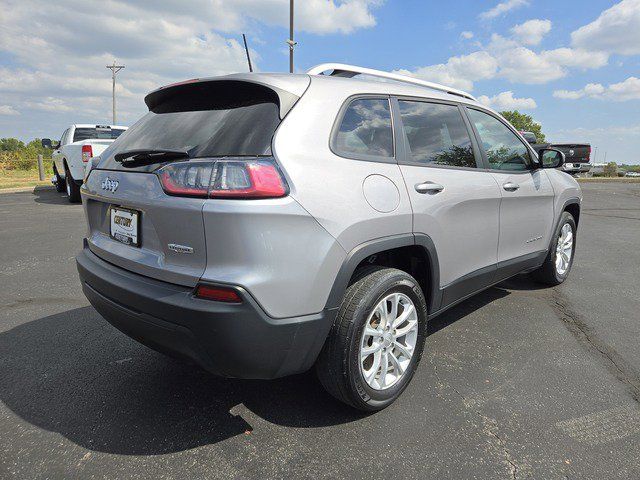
505 151
436 134
366 129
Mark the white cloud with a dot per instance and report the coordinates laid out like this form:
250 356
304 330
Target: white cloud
8 110
531 32
459 72
508 58
616 30
59 66
506 101
315 16
466 35
502 8
49 104
629 89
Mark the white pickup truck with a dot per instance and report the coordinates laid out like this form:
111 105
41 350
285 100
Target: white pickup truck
78 144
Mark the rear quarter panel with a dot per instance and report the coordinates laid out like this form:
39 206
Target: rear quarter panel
328 186
331 188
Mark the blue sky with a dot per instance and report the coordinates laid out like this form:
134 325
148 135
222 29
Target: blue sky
572 65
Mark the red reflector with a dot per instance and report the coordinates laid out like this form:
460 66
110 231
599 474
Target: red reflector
218 294
87 153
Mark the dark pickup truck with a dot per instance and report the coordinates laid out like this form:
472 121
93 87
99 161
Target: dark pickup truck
577 155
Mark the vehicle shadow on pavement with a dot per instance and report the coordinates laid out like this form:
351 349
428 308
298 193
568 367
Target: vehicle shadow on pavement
465 308
74 374
50 196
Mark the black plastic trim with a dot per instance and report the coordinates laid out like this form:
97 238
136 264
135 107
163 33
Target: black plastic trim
378 245
483 278
234 340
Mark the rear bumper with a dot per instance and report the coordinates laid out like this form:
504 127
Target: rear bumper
233 340
576 167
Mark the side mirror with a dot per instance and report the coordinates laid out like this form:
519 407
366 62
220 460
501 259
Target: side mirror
46 143
550 158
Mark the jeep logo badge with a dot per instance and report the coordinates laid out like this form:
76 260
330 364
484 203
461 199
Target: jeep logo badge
110 185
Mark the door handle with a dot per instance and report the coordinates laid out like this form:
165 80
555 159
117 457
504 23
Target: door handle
511 187
429 187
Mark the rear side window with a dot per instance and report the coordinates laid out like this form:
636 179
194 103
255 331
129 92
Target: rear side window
98 132
215 119
505 151
365 129
436 134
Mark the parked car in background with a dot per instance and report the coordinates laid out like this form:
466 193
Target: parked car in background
317 221
78 144
632 174
577 155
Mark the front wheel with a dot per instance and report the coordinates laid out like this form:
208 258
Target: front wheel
557 265
376 341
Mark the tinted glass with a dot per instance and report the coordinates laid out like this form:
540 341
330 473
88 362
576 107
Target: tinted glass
215 121
505 151
90 133
366 128
437 134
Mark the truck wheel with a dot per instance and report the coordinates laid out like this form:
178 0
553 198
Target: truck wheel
376 341
60 183
73 190
557 265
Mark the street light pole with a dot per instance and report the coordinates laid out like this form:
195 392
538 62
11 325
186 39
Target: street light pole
291 42
114 69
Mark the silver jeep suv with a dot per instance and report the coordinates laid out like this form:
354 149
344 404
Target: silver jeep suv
264 224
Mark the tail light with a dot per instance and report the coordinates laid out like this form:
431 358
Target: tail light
241 179
218 294
87 153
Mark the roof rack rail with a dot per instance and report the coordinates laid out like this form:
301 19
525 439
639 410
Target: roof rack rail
343 70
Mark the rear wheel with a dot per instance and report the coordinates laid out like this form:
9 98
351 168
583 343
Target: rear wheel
376 341
60 183
557 265
73 190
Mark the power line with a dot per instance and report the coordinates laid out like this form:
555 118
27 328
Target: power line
114 69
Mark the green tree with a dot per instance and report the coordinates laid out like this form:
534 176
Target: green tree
611 169
11 145
524 123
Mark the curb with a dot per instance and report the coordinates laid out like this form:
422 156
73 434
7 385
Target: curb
26 189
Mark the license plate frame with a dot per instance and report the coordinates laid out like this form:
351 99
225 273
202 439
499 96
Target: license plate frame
125 234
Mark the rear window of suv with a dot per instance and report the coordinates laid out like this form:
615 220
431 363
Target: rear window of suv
207 120
109 133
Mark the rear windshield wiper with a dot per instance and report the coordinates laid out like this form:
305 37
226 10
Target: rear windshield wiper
148 156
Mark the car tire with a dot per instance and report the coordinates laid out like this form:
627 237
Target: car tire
73 190
60 183
343 361
555 268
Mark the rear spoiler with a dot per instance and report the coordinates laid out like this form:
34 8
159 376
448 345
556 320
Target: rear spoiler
165 99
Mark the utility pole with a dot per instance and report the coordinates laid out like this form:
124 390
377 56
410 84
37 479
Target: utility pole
246 48
290 42
114 69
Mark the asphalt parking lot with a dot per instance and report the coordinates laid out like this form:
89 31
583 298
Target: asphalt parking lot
516 382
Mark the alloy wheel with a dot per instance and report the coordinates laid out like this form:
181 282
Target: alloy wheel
564 249
388 341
